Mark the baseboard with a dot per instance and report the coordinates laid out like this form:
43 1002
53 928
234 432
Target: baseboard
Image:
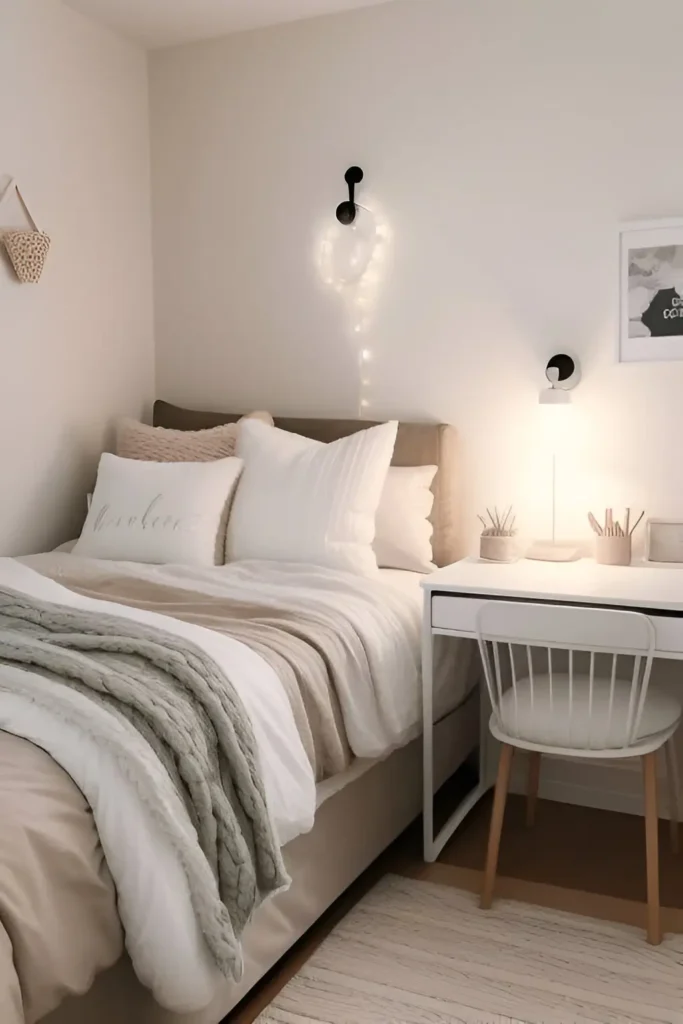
613 786
568 792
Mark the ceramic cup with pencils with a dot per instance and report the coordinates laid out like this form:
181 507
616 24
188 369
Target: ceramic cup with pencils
612 540
498 541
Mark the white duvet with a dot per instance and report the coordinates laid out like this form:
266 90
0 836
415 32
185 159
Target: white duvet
163 940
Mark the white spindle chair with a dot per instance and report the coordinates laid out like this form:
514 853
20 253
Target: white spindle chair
543 703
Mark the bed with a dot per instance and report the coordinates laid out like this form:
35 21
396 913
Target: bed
354 820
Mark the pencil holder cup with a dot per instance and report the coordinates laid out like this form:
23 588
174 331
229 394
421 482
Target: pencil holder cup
498 549
613 550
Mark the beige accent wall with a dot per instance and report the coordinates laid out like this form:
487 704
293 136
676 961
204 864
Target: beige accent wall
76 350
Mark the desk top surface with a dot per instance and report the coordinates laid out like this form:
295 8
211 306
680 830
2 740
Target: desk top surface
641 585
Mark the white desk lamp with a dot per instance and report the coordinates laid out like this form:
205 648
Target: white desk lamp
563 373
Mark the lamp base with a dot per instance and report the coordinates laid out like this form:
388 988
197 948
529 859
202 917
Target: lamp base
553 551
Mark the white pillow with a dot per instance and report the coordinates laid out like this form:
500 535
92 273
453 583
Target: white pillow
159 511
303 501
403 537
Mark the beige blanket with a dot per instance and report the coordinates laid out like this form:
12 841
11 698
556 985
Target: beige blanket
308 653
58 920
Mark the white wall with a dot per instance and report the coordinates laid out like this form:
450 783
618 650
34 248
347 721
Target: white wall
76 349
503 140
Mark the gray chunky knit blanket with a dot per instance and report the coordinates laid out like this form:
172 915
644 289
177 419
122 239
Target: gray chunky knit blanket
186 708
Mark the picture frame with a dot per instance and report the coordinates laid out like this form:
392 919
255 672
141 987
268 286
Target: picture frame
651 291
664 540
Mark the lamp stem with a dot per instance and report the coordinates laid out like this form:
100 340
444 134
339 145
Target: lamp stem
554 494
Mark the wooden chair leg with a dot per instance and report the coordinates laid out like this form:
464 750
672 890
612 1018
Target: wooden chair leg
533 779
673 787
654 925
497 814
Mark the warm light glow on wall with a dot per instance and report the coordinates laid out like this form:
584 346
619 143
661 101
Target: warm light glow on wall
350 261
555 426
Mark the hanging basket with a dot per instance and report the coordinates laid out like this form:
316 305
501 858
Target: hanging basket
27 250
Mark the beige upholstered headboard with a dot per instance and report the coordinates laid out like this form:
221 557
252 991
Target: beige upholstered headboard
417 444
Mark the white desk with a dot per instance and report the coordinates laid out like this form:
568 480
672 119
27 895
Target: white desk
454 595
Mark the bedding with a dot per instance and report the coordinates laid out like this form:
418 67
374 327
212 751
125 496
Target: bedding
159 511
135 804
455 666
303 501
403 532
378 710
417 444
377 688
186 718
136 440
53 937
310 656
351 829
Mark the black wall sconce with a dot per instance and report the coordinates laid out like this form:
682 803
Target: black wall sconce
346 211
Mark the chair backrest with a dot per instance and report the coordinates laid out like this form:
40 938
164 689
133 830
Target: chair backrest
508 631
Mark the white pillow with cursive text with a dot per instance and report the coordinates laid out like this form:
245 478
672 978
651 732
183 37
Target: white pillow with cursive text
159 512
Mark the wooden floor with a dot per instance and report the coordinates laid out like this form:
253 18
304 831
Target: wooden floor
574 858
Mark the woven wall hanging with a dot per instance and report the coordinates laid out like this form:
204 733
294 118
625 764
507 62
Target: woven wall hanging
27 250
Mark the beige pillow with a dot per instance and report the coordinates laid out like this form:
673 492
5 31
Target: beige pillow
159 444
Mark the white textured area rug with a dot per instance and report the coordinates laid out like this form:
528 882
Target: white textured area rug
419 953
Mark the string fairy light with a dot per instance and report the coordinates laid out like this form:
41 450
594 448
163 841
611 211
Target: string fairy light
356 275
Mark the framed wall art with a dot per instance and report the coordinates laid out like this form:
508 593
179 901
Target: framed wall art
664 540
651 290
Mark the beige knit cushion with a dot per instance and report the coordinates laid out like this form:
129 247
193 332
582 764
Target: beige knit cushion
158 444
